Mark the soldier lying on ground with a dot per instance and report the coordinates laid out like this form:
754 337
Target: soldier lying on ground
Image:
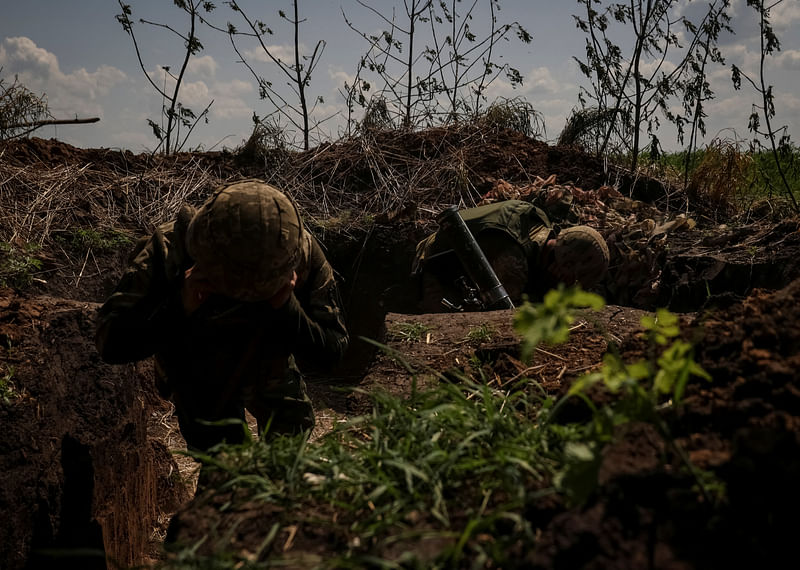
225 297
528 254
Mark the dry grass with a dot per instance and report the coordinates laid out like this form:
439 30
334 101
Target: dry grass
378 173
39 200
721 172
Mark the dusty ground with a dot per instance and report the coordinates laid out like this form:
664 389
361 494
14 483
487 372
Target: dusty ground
85 446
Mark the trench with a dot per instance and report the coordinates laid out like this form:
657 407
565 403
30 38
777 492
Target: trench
372 268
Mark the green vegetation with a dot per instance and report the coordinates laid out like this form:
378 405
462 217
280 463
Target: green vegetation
481 333
83 239
643 390
549 322
8 391
444 476
726 176
18 266
409 332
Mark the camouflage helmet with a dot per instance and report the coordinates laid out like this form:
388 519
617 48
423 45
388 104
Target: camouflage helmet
246 240
580 254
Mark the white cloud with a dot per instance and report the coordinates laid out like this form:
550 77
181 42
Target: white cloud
282 53
540 79
238 87
21 54
536 82
226 107
204 65
789 59
339 77
785 15
648 68
77 92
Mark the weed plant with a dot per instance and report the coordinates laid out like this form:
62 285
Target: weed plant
8 391
409 332
18 266
481 333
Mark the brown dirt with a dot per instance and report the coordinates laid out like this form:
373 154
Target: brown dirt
85 446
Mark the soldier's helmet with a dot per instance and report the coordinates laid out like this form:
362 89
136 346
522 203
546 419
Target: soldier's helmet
246 240
580 255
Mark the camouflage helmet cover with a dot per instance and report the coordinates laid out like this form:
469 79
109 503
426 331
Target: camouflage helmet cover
583 253
246 240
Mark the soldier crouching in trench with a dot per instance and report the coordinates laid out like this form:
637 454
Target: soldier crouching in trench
528 254
225 297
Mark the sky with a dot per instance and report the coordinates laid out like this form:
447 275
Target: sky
77 54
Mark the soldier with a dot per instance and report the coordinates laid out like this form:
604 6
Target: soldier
225 297
525 250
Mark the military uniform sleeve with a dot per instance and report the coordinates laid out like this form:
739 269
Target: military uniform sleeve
312 317
144 309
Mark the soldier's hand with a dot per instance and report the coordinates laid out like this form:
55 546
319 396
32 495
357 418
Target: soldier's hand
279 299
194 292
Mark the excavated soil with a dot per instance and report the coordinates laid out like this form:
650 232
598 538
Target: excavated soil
85 449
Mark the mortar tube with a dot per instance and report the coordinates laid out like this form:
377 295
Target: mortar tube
473 260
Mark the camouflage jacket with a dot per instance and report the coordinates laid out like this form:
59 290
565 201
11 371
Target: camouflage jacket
523 222
223 339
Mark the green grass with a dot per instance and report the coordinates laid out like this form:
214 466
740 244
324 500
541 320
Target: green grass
447 467
408 332
83 239
730 174
443 478
481 333
18 265
8 391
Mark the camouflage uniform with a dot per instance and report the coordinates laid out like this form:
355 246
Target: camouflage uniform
513 235
229 354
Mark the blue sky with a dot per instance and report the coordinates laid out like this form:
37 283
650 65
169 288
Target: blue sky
77 54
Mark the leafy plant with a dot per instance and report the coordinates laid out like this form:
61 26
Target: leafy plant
17 267
633 85
297 72
642 390
444 467
549 321
431 65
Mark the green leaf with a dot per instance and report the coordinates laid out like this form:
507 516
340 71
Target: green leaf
578 480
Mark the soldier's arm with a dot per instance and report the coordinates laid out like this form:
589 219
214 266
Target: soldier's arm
313 317
138 317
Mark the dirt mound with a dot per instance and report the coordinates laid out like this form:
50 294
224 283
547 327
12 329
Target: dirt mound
744 427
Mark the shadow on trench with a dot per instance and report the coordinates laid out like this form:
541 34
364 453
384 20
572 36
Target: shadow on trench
70 538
